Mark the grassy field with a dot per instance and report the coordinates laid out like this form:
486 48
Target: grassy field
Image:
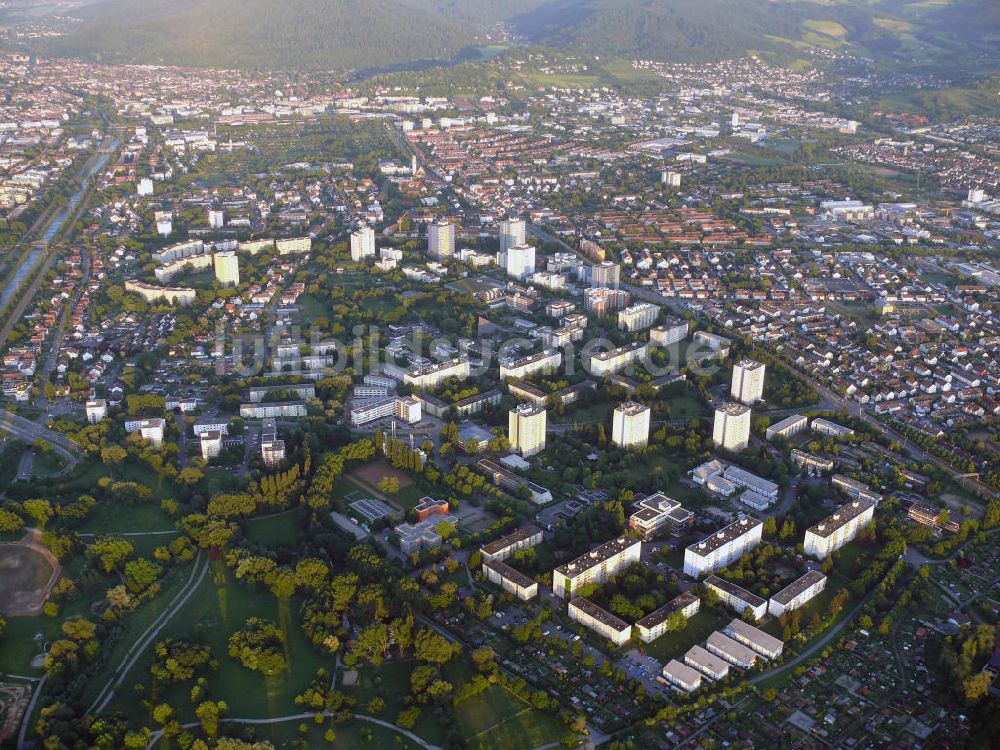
673 645
355 735
110 518
47 464
276 530
219 607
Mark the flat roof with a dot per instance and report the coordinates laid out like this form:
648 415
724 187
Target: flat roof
599 613
755 635
621 350
787 422
733 409
750 598
840 518
725 535
796 587
525 532
657 616
514 576
597 556
631 408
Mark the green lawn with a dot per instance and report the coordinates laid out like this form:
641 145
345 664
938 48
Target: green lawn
111 518
673 645
355 735
276 530
47 464
219 607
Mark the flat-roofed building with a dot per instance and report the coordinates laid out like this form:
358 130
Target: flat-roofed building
502 548
599 620
605 275
273 409
441 240
656 512
638 316
707 663
748 381
723 547
653 625
681 676
96 410
855 489
151 429
227 268
811 463
839 528
732 427
512 482
673 331
931 516
509 579
753 637
293 245
526 429
433 375
363 244
630 425
211 444
595 566
414 537
736 597
797 593
826 427
272 448
606 363
523 367
787 427
748 480
732 651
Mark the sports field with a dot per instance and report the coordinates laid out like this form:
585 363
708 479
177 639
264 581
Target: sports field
26 576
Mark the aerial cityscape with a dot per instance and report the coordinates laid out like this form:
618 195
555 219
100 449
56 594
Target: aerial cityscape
534 374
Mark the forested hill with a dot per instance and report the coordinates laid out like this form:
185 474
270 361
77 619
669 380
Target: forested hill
264 34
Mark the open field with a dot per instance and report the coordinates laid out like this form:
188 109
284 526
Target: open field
27 574
673 645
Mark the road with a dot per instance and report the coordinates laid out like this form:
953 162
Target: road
145 640
29 432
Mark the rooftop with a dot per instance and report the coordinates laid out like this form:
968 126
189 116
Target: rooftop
797 586
599 613
597 556
523 533
514 576
840 518
723 536
748 597
657 616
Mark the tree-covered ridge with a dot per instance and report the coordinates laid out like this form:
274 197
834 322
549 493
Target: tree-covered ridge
258 34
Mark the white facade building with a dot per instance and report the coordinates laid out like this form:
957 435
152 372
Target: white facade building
748 381
630 425
441 239
723 547
362 244
832 533
732 427
595 566
526 429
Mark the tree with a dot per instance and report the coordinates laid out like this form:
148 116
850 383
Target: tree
39 510
976 687
408 717
429 646
111 552
140 575
259 646
371 645
112 454
10 522
389 485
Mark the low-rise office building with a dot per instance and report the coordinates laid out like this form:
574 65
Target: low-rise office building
809 462
826 427
658 512
855 489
